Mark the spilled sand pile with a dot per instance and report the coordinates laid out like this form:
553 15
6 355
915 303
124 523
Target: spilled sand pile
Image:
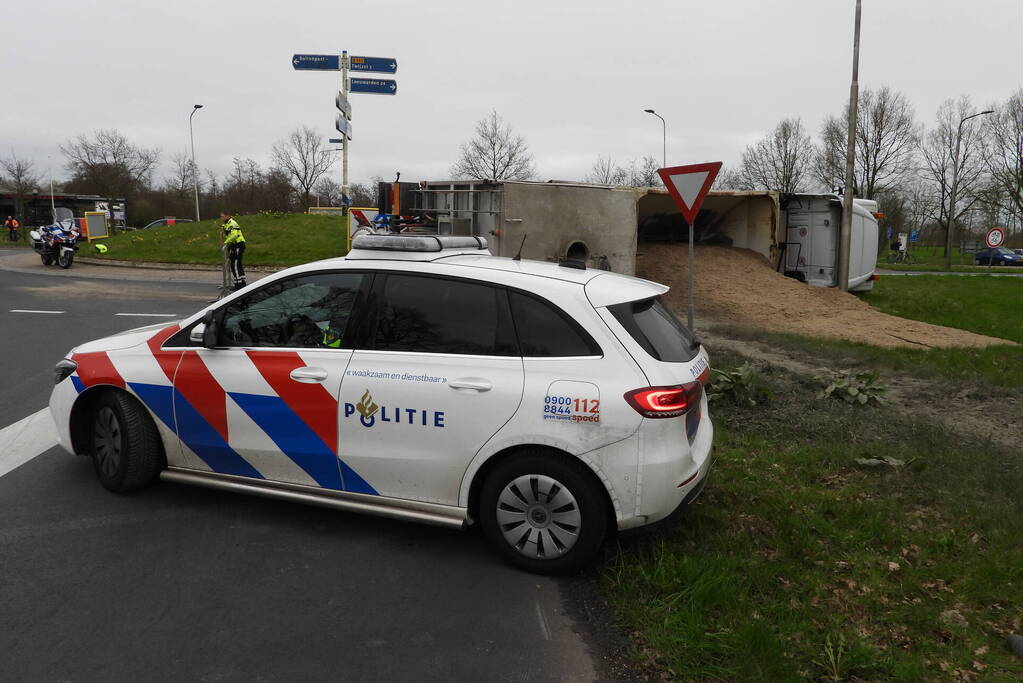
741 286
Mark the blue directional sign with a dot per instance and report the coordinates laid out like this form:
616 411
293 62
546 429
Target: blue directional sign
383 65
316 62
373 86
914 235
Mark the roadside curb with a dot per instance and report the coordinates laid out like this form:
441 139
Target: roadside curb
170 266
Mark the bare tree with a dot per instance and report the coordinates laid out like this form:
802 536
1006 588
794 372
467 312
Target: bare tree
364 194
887 137
108 164
643 173
328 191
303 156
182 174
731 179
1004 152
21 179
496 153
606 172
939 152
781 161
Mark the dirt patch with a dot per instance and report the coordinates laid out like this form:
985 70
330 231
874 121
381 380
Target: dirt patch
966 410
739 285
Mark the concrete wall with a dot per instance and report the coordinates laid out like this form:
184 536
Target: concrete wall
554 216
600 220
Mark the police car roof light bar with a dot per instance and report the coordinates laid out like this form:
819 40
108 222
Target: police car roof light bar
417 242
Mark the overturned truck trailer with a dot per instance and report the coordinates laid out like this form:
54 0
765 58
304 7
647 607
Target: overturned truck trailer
602 225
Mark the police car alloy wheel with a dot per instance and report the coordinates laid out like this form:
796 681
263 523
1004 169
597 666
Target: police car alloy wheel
544 513
125 446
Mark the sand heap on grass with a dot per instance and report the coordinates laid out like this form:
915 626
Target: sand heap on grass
741 286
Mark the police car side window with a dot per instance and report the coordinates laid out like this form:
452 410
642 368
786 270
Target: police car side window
424 314
309 311
544 331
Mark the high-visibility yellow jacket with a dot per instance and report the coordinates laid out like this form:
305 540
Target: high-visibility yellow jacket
233 232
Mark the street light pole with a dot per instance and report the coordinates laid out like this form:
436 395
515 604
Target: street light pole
664 137
845 235
955 188
195 169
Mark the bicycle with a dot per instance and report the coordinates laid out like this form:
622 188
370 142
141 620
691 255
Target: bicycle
900 257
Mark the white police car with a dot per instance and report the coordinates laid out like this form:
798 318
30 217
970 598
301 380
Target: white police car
419 378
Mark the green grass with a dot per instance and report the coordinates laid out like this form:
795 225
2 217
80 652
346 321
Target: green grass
796 553
933 258
270 239
986 305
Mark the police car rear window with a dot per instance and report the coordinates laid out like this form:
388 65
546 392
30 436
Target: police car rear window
656 329
545 331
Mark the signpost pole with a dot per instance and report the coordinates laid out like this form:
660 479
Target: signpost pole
688 185
690 311
344 140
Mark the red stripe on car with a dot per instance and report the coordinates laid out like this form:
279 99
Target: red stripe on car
96 368
201 389
313 404
168 360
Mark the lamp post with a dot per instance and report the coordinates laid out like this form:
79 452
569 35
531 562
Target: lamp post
664 137
955 187
195 169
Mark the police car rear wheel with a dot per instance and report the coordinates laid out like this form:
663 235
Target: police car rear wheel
126 450
544 512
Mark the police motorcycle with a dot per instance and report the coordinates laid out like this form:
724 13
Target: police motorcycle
56 243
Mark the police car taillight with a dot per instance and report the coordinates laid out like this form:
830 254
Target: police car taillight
670 401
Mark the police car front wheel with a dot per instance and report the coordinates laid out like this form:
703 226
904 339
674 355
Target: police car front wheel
124 444
544 512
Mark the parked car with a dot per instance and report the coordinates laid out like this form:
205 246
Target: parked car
165 221
998 257
1018 251
418 378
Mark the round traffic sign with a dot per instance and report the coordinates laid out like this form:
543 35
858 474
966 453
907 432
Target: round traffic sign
994 237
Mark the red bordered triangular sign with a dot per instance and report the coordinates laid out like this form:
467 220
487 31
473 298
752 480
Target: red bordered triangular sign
688 185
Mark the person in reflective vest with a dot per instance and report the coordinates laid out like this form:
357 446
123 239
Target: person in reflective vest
12 226
234 243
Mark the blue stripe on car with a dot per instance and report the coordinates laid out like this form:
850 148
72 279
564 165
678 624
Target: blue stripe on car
295 439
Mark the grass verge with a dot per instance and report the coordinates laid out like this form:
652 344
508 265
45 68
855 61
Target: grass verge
799 563
933 258
270 239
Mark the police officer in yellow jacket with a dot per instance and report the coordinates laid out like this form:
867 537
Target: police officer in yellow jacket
234 243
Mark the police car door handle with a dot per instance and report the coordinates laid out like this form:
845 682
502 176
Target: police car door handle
309 375
473 383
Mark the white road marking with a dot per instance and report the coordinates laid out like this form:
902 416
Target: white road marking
25 439
544 628
149 315
19 310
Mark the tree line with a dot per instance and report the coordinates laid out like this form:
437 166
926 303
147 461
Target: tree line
108 164
909 168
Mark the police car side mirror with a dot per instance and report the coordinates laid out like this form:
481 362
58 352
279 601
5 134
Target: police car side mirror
205 333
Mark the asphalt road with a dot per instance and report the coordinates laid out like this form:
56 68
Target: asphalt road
179 583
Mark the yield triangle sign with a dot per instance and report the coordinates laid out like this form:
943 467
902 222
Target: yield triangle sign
688 185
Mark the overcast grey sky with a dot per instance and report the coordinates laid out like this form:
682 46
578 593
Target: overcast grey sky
572 76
